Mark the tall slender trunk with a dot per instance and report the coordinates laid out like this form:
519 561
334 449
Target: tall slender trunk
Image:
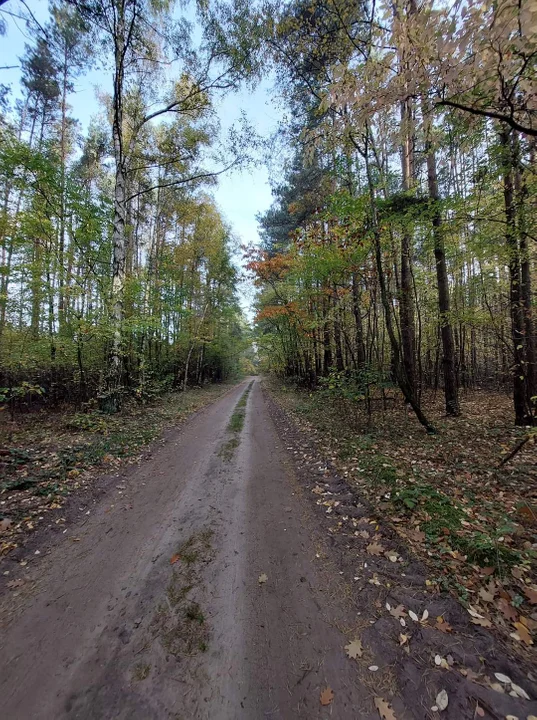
523 414
356 309
110 399
398 367
327 355
63 203
337 337
6 239
525 274
448 347
406 302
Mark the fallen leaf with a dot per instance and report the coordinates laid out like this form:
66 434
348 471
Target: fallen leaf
15 583
442 700
417 535
507 610
375 548
502 678
327 696
486 596
528 622
523 633
174 558
479 711
413 616
425 616
5 524
442 625
531 594
373 668
403 639
473 612
354 649
262 578
482 621
519 691
398 612
384 709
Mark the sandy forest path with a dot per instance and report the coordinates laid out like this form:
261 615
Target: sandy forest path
152 605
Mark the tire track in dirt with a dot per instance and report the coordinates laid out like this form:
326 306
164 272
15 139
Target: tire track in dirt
156 611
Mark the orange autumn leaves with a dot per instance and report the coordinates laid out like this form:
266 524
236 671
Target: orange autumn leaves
268 268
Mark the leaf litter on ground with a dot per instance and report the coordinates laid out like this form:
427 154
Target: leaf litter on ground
326 697
384 709
354 649
47 456
473 523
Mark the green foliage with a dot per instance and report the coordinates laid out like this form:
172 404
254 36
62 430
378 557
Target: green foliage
166 307
351 385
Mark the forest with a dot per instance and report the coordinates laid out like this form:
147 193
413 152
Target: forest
117 275
400 248
268 358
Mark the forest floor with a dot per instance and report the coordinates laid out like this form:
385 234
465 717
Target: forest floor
47 456
239 571
472 520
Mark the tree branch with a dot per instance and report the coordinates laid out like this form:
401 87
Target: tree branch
184 181
508 119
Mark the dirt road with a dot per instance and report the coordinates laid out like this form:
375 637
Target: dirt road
151 606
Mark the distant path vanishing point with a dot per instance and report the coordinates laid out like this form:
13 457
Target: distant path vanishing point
190 591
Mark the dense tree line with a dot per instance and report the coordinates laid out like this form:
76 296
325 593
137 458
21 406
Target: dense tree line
117 273
401 244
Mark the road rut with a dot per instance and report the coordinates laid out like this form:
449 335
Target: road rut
150 607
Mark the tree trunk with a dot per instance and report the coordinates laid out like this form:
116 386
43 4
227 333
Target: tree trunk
523 414
406 304
327 356
448 348
398 367
63 192
525 272
356 309
110 399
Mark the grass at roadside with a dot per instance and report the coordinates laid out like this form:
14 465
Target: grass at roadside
237 419
473 523
47 456
235 425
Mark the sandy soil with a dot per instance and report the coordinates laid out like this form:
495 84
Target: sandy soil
150 606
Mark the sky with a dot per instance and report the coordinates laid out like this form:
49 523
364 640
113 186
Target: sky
240 195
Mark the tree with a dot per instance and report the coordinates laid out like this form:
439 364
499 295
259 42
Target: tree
427 256
76 296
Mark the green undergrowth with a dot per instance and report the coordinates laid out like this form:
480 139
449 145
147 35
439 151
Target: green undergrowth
236 422
235 425
459 520
445 520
